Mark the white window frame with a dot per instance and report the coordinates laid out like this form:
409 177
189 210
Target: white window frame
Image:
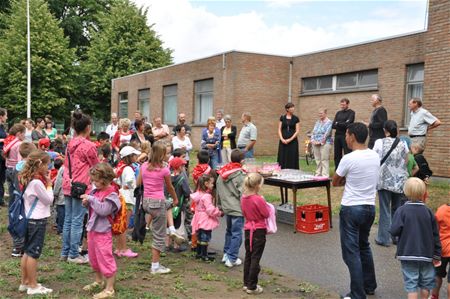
198 102
145 112
123 101
408 84
167 120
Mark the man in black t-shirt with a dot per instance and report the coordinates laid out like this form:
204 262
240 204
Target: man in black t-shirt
343 118
181 123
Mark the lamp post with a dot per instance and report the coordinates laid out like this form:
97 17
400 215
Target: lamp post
28 62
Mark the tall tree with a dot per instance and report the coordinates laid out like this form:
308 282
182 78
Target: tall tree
51 62
125 45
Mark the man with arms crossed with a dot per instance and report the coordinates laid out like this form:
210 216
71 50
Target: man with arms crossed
358 171
343 118
421 122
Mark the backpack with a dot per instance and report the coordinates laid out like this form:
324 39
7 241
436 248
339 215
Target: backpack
119 223
271 222
18 221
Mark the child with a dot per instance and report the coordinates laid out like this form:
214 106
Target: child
127 182
206 217
424 172
102 139
102 204
146 149
38 197
154 175
255 211
59 196
25 149
443 221
419 247
229 192
104 153
11 153
412 164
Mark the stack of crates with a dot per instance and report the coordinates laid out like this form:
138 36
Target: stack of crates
312 219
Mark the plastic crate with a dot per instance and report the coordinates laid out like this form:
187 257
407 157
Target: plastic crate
312 219
285 214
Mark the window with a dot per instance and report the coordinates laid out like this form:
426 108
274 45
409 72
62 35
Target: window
170 104
123 104
204 96
144 102
414 86
341 82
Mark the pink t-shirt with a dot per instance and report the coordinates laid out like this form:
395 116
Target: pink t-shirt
153 181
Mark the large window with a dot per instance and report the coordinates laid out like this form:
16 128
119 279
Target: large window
341 82
414 86
170 104
144 102
123 104
204 95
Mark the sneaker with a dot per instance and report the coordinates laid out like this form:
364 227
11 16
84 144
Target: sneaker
224 258
346 296
24 287
104 294
128 253
244 288
177 237
92 286
39 290
16 253
231 264
63 258
160 270
78 260
258 290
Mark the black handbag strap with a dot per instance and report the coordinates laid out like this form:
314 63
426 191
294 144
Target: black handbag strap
70 164
394 145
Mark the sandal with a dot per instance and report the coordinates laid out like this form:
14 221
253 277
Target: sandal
104 294
92 286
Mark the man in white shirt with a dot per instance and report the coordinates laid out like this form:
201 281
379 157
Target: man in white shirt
421 122
247 136
358 171
111 129
220 122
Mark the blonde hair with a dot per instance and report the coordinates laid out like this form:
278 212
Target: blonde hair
102 172
146 147
211 121
35 161
419 147
415 189
253 182
159 150
124 122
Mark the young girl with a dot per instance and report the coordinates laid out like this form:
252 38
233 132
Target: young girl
126 179
102 204
38 198
154 174
255 212
206 217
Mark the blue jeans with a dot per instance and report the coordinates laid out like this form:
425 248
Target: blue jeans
233 237
249 154
354 227
389 203
204 235
73 227
418 275
213 159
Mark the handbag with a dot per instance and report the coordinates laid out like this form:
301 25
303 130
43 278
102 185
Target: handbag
394 145
77 188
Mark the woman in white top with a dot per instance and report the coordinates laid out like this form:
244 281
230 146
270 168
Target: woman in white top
182 141
29 125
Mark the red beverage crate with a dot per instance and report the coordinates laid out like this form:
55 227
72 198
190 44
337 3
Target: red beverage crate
312 219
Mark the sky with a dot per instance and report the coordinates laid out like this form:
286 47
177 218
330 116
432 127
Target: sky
198 29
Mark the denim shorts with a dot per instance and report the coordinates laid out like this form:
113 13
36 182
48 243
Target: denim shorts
418 275
441 271
34 237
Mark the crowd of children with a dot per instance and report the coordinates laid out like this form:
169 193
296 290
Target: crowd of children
154 179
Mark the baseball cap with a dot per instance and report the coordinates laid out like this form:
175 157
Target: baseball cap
128 150
177 162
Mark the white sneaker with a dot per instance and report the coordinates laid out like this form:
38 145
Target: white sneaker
39 290
160 270
78 260
179 239
224 258
24 287
230 264
258 290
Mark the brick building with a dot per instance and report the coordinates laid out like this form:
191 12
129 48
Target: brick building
416 64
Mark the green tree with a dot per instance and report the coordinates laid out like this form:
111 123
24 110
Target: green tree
125 45
51 62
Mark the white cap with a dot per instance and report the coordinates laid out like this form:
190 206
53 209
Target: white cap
128 150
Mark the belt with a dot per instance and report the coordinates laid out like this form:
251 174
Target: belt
241 146
413 136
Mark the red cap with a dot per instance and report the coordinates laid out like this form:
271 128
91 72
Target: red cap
44 142
176 163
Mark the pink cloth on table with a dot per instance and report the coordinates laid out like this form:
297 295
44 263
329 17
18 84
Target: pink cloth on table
206 215
100 253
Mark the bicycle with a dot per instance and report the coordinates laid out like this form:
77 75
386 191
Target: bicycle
309 152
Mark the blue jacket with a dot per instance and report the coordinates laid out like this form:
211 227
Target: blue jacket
415 225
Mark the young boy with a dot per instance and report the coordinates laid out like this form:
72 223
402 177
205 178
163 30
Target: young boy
419 247
443 220
102 138
25 149
59 196
229 192
424 171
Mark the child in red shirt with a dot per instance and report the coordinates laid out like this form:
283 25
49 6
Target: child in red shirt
443 219
255 211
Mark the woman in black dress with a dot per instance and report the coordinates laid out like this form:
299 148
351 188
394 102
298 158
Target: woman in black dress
288 129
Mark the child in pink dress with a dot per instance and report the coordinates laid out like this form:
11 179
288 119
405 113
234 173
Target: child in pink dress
206 217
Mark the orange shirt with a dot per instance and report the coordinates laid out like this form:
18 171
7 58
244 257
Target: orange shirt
443 220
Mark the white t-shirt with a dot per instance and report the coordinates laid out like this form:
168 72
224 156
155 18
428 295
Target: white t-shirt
361 169
128 179
178 143
111 130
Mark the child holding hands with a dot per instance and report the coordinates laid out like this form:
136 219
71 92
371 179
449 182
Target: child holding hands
418 247
102 204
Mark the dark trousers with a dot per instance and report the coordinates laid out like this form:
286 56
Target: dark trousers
9 175
252 258
60 213
2 179
339 146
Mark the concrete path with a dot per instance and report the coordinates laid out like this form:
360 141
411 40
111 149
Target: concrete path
317 259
